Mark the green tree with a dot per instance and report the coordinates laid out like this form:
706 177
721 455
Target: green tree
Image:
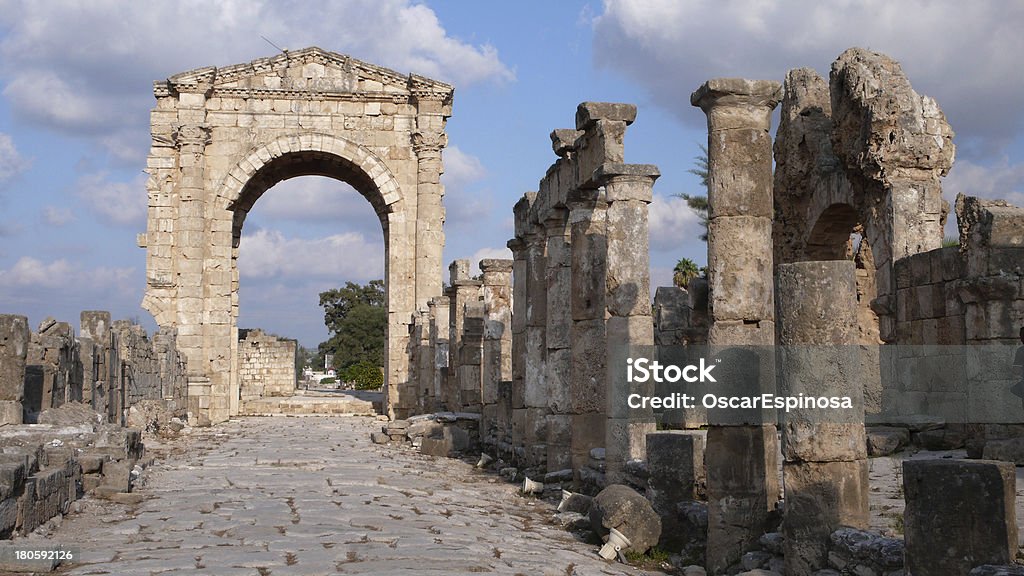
684 271
698 203
357 319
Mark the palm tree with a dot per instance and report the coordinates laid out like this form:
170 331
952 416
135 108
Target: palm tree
684 271
699 204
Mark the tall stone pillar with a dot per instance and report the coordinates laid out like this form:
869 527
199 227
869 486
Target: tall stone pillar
529 424
559 352
630 329
14 342
587 380
496 364
465 290
438 310
433 107
428 142
515 400
742 480
825 467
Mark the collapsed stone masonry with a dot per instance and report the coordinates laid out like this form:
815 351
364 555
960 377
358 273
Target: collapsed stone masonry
67 402
840 245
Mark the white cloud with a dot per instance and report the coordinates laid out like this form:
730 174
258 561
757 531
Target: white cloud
484 253
465 205
86 68
118 203
1001 180
11 161
954 51
672 224
29 272
267 254
314 198
55 216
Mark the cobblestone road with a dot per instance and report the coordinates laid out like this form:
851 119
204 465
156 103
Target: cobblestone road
311 495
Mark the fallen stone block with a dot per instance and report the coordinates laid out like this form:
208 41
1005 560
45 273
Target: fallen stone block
117 474
624 509
942 439
379 438
886 440
1007 450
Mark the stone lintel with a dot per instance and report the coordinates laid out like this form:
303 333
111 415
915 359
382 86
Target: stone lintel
587 113
563 141
737 92
495 265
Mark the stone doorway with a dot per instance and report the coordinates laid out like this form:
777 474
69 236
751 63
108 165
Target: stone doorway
222 136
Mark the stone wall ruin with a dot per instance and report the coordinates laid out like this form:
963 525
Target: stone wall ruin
850 223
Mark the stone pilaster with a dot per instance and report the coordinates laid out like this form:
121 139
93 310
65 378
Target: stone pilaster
428 142
825 466
628 191
496 363
741 309
529 423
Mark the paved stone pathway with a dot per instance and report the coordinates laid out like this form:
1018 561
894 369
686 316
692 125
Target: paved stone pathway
311 495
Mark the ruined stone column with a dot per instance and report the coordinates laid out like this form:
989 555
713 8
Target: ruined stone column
630 329
463 291
496 364
95 326
742 481
587 379
514 399
14 342
825 466
470 356
422 373
529 423
559 352
438 310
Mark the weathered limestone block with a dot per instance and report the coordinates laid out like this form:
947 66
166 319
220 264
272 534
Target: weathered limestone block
741 465
622 508
675 461
960 514
14 344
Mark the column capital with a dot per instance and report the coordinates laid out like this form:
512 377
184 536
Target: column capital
738 92
192 135
427 141
627 181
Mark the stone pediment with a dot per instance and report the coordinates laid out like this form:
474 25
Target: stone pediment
302 74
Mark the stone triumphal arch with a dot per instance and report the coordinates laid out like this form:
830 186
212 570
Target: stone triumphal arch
223 136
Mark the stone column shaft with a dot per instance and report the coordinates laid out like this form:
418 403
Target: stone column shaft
630 329
496 364
741 303
825 466
587 380
559 352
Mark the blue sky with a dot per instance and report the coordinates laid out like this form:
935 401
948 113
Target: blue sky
75 92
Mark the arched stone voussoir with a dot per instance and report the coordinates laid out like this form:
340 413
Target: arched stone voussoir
375 169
